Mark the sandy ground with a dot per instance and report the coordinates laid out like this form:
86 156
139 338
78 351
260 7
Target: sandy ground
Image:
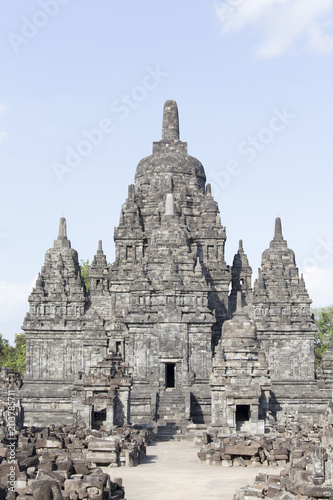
172 470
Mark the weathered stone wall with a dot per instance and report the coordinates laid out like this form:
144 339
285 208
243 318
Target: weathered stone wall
160 308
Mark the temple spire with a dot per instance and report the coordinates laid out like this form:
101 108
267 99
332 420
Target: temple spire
62 229
170 129
278 230
62 240
99 261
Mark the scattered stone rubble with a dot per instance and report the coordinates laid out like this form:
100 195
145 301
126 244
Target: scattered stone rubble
64 462
244 451
9 381
310 472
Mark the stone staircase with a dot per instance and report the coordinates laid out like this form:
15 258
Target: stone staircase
171 422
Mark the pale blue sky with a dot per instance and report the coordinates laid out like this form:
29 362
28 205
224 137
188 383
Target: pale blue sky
242 71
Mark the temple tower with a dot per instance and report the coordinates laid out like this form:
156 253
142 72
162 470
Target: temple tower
151 341
240 379
241 273
53 329
169 283
286 328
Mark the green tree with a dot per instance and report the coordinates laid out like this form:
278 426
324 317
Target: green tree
20 353
324 320
4 345
85 266
13 357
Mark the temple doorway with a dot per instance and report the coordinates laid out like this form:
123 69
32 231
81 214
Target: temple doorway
170 375
99 417
243 414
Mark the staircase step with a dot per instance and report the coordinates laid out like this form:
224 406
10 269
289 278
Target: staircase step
171 411
171 429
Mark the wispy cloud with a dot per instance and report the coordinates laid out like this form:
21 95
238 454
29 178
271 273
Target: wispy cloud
285 24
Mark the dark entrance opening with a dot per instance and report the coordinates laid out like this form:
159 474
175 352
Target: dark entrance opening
170 375
118 347
242 415
99 418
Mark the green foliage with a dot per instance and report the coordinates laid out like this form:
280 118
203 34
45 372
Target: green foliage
4 346
324 320
13 357
85 266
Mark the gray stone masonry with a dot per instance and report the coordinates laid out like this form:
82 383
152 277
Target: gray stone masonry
241 281
286 330
145 344
240 381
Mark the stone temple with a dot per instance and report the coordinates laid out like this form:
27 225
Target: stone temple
169 336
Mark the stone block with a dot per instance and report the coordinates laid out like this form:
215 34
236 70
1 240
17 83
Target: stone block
251 491
102 457
29 462
65 464
103 445
3 491
29 448
6 470
240 461
43 475
31 471
285 495
273 479
53 444
118 481
261 478
47 465
241 450
91 487
72 485
46 490
273 489
48 444
21 486
295 453
81 468
319 491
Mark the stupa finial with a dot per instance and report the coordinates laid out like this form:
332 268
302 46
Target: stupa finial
170 129
278 229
